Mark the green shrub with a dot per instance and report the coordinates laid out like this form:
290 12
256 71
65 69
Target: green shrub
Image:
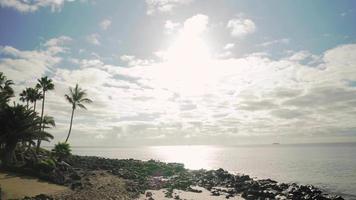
61 151
46 165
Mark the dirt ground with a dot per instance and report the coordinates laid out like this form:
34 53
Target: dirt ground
97 185
16 186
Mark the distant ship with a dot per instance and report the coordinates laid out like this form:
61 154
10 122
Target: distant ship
275 143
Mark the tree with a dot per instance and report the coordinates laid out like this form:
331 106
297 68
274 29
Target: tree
77 98
61 151
6 91
34 96
24 96
18 124
46 85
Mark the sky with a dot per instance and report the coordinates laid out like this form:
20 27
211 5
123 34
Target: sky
170 72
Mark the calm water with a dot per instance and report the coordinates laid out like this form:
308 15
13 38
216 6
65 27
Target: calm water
329 166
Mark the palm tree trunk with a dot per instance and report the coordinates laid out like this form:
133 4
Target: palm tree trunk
39 140
9 153
70 126
34 106
27 104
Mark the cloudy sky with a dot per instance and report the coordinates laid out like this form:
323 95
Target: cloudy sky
189 71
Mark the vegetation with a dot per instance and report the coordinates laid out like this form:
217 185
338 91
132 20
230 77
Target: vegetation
77 97
19 124
21 127
30 95
24 96
34 95
46 165
6 91
61 151
45 84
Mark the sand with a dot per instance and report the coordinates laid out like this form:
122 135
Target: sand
204 195
98 185
16 186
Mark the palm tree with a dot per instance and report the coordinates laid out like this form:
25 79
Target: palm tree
6 91
24 96
76 97
34 95
45 84
18 124
61 151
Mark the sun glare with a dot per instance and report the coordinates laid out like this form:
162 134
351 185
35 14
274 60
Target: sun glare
193 157
187 60
188 50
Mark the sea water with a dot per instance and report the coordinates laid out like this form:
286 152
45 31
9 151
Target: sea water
332 167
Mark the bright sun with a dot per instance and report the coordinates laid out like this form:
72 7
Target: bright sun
188 59
189 48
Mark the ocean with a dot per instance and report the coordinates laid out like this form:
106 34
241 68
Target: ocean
332 167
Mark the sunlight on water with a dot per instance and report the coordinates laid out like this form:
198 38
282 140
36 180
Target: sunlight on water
193 157
328 166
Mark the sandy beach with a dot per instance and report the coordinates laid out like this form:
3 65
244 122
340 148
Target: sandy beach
204 195
16 186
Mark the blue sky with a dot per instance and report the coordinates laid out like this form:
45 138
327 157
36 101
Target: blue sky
315 26
189 71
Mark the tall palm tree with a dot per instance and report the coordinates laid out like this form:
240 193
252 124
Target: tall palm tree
45 84
34 96
6 91
77 97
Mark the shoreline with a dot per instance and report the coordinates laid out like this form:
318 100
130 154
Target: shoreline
136 177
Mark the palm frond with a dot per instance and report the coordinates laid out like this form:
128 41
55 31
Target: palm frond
48 120
86 100
77 97
81 106
69 99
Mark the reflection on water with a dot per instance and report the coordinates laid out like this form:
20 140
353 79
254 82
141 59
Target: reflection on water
193 157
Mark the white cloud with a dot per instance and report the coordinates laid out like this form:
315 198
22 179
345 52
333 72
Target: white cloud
24 65
87 77
229 46
196 25
240 27
254 95
300 55
170 26
57 45
105 24
154 6
274 42
93 39
226 53
188 45
32 6
133 61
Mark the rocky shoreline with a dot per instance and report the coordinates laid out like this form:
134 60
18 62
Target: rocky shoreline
85 173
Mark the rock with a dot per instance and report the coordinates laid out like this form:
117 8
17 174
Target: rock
76 185
148 194
229 196
280 197
142 175
39 197
215 193
333 197
243 178
75 176
194 190
250 197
